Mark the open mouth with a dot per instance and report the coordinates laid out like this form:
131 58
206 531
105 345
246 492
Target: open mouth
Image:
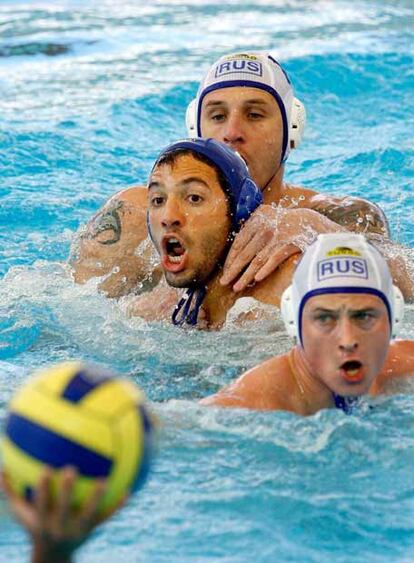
174 254
352 371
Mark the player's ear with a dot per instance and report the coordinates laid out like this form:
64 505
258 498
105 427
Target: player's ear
288 313
297 123
398 311
191 118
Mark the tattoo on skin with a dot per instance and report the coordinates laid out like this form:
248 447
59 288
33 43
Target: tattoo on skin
106 220
356 215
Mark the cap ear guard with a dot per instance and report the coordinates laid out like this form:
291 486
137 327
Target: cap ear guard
249 199
297 123
398 311
149 228
191 118
288 313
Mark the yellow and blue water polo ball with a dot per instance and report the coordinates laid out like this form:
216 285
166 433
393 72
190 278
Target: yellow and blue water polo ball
79 415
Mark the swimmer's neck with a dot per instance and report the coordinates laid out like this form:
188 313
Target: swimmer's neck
275 188
279 192
315 394
217 302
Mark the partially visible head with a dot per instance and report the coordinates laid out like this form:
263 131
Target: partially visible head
245 93
343 308
200 192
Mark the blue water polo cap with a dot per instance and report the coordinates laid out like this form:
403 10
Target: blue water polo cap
243 194
244 197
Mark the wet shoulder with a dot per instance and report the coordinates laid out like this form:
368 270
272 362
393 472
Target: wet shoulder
400 358
270 290
269 383
110 244
135 195
267 386
124 214
399 365
353 213
296 196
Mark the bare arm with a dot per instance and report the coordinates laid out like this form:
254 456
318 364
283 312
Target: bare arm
272 234
114 246
355 214
268 238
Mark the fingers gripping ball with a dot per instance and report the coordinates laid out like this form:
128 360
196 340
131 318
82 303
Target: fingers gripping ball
83 416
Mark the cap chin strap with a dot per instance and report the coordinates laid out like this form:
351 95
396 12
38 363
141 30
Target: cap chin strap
186 314
296 126
346 404
289 314
272 177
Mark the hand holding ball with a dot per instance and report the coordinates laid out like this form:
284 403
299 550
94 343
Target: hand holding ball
83 416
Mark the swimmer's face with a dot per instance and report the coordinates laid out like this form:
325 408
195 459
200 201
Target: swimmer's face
249 121
345 340
189 221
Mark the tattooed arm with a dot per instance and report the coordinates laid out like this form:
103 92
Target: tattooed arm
114 246
355 214
400 260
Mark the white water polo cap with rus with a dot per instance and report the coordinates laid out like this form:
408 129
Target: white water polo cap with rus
255 70
340 263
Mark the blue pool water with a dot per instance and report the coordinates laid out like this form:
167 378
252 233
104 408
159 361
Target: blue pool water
89 92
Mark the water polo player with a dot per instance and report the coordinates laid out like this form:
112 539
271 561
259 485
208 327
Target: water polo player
246 101
199 194
343 309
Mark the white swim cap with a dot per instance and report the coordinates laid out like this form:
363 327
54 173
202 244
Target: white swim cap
256 70
340 263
